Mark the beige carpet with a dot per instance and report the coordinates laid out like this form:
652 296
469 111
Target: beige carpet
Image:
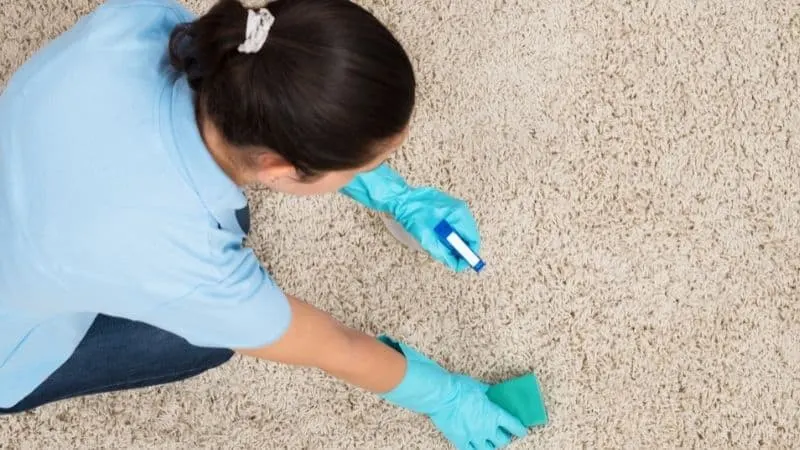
635 169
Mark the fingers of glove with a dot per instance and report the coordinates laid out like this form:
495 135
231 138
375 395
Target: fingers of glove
495 433
483 445
448 258
501 439
466 445
456 435
510 423
430 243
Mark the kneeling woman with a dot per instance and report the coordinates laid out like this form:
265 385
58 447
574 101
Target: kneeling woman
124 145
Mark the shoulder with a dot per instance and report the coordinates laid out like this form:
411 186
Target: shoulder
117 24
118 31
120 21
131 7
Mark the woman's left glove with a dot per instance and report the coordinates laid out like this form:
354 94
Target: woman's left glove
457 404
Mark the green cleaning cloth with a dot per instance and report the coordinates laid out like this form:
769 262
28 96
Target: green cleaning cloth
522 398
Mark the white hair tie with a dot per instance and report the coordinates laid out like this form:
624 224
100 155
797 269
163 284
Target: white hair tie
258 25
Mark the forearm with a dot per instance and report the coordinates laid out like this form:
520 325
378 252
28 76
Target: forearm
457 404
315 339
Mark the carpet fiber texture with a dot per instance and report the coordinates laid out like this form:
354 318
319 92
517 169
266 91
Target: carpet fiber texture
635 171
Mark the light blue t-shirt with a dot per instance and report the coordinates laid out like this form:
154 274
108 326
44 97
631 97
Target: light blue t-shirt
110 202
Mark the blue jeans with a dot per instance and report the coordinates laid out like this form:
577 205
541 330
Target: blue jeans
119 354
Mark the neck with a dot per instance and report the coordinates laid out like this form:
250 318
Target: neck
222 152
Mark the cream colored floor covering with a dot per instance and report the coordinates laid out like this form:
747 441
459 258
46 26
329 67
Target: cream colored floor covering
635 170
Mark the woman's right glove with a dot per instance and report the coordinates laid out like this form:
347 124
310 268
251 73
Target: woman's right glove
457 404
418 210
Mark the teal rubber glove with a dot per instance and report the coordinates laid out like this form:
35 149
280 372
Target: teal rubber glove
457 404
418 210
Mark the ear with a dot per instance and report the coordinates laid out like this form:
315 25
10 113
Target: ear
271 167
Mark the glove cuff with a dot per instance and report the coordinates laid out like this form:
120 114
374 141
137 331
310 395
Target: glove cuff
426 387
381 189
406 205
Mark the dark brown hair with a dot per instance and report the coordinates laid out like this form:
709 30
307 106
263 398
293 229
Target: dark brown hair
329 84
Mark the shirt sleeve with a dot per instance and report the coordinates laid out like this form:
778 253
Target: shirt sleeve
244 309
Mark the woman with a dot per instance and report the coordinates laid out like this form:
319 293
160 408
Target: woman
124 145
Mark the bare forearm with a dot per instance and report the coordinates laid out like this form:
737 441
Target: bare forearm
370 365
315 339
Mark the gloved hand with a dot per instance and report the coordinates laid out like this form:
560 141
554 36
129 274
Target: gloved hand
418 210
456 404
